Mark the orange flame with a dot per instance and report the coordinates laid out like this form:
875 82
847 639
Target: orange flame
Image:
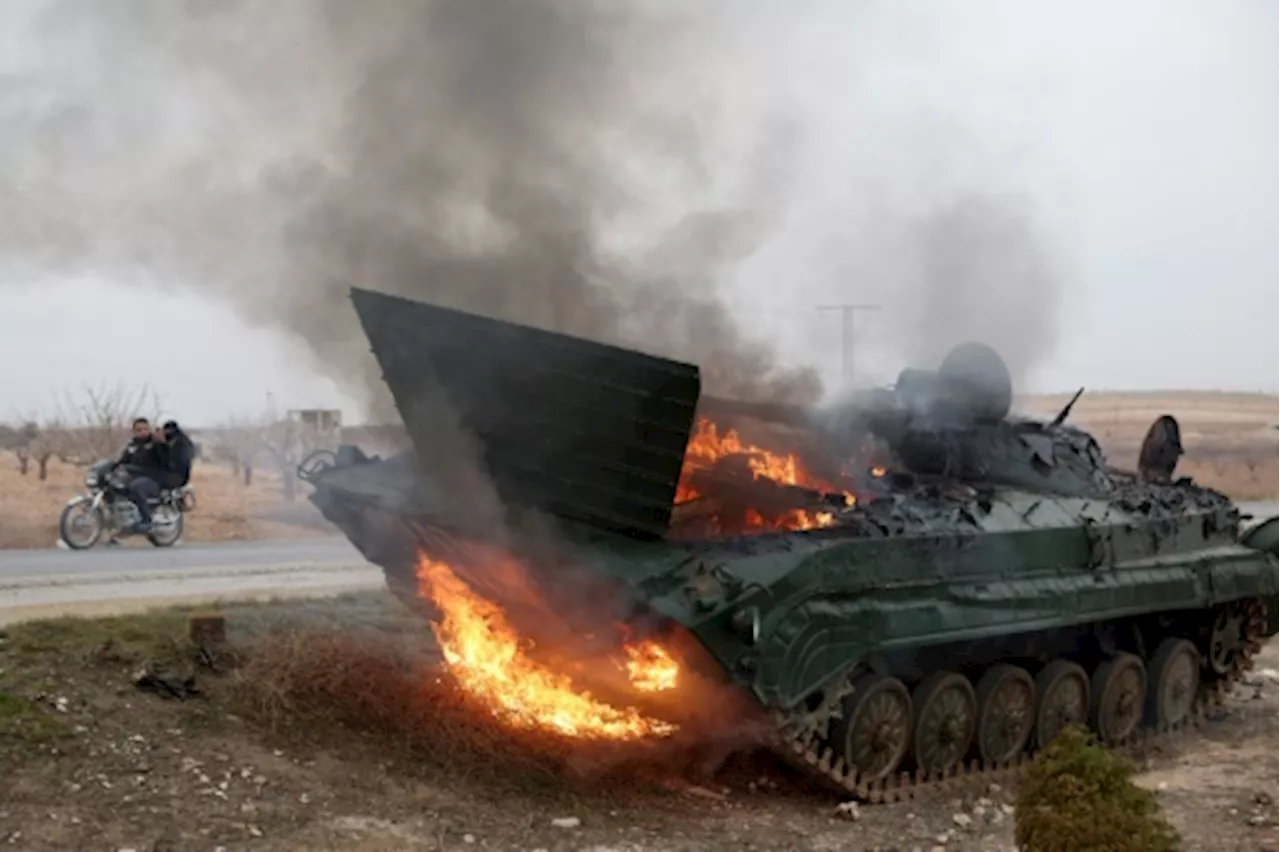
651 668
707 446
796 519
489 661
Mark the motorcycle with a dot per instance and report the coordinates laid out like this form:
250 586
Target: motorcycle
106 508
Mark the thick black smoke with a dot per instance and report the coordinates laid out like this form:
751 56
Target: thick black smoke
981 271
521 158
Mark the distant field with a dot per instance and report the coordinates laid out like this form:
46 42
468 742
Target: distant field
226 510
1229 438
1230 441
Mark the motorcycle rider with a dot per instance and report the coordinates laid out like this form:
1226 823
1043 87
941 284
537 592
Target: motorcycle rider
139 449
140 460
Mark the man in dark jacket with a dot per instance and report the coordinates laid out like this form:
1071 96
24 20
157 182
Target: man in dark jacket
141 458
174 451
140 449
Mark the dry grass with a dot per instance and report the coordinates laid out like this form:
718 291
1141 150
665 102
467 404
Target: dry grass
227 510
1229 438
318 685
327 687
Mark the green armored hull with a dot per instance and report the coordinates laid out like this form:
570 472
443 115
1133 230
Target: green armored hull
952 585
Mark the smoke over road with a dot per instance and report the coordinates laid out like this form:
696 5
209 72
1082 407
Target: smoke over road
482 155
595 168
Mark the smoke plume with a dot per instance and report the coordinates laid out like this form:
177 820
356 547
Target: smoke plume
543 161
983 272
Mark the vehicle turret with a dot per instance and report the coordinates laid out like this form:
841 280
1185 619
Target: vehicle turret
954 423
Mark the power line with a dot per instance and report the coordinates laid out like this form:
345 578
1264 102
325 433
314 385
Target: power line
846 333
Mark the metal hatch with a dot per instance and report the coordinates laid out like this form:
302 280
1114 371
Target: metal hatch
582 430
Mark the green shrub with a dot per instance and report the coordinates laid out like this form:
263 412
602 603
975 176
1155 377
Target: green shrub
1078 797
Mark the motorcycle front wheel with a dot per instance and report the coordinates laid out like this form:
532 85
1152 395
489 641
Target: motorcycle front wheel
80 525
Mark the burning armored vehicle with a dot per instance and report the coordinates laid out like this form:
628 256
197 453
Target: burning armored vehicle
907 586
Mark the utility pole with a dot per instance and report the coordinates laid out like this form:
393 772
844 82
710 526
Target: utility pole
846 333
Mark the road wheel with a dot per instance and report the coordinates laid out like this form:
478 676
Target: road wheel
1175 682
1063 690
946 717
1006 712
1118 692
875 729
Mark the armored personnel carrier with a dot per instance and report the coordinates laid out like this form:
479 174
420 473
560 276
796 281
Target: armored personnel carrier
910 585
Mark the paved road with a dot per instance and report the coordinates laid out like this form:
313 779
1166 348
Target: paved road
140 557
46 583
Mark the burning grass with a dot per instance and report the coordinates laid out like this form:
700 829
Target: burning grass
321 686
486 656
494 711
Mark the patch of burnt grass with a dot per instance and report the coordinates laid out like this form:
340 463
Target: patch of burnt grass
162 635
327 687
54 653
1079 797
134 636
26 728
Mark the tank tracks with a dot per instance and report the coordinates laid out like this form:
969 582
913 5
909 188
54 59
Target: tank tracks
802 746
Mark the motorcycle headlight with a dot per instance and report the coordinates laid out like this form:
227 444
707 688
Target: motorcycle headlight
90 479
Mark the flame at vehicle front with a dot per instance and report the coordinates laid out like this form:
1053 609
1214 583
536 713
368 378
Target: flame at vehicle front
490 661
708 446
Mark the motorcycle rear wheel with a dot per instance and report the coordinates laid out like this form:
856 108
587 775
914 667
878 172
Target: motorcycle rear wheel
165 536
72 515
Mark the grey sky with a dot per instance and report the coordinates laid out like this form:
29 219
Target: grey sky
1138 139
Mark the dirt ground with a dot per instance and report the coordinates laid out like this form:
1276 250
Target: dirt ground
93 762
227 509
1229 438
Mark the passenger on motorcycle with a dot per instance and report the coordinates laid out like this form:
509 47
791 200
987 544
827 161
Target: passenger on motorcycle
174 451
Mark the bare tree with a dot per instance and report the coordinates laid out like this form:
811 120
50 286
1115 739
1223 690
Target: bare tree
38 442
20 441
238 444
273 441
80 428
98 419
283 444
50 440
